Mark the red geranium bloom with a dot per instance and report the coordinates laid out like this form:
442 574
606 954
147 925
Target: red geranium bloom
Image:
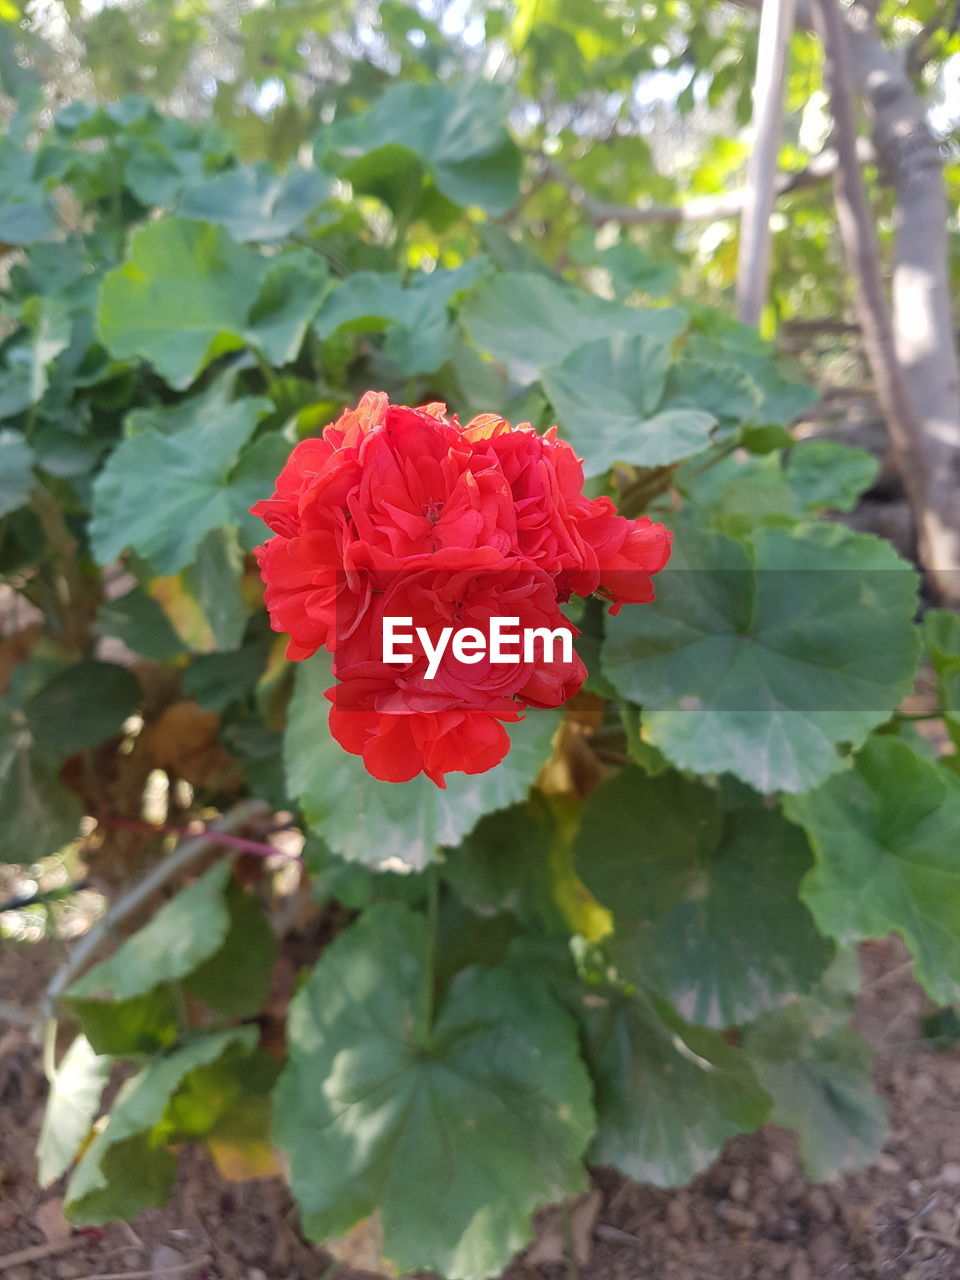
400 512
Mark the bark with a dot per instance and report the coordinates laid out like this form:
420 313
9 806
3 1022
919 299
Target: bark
753 266
859 240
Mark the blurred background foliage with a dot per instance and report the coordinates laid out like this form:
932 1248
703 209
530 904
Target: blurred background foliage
665 87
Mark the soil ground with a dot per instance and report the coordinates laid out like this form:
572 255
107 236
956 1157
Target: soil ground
751 1216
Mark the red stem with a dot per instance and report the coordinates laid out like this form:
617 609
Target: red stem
257 847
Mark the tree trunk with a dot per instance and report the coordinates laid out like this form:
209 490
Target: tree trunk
859 240
753 266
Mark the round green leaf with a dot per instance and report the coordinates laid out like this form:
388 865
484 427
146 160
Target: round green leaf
534 321
254 202
415 315
604 395
162 493
457 131
762 662
819 1075
456 1129
181 298
704 899
668 1096
823 473
505 864
885 834
723 390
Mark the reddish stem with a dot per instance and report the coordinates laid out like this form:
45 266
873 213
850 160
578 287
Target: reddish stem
257 847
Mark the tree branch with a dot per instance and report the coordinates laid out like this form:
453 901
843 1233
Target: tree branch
701 208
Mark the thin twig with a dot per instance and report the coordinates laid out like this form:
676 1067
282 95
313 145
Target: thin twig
616 1236
180 858
922 1233
38 1251
258 847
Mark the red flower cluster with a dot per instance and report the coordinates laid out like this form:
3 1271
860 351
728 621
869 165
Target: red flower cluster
399 512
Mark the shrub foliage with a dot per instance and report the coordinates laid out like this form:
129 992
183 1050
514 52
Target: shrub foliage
628 942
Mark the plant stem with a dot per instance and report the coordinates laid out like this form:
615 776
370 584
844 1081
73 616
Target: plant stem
180 858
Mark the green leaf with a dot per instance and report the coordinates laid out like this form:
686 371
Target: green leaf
38 814
783 401
141 624
236 979
16 471
214 580
604 395
125 1028
456 132
884 834
181 298
27 215
176 940
762 661
229 1099
81 707
365 820
723 390
215 680
72 1105
823 473
161 494
739 493
254 202
123 1172
668 1096
419 332
631 268
941 630
942 633
820 1078
533 322
704 899
294 286
457 1129
504 864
